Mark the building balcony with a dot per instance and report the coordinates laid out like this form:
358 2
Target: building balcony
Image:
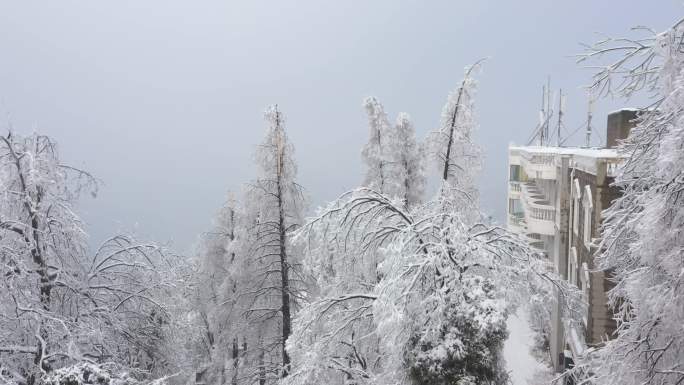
516 223
514 190
534 240
539 166
540 215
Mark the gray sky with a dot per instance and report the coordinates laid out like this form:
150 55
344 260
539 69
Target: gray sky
163 99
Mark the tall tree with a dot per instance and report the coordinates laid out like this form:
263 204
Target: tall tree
274 205
642 245
457 157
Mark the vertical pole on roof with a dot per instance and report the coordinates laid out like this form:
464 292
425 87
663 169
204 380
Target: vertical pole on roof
560 118
548 109
587 139
542 117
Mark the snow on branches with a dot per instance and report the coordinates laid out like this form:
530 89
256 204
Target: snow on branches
394 159
457 158
438 308
643 244
62 306
415 293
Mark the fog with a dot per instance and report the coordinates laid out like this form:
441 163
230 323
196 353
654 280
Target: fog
163 100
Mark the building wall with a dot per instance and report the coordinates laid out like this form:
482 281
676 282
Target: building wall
560 174
561 190
599 321
589 168
619 125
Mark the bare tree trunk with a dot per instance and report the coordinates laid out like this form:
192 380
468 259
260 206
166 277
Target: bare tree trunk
452 127
262 369
34 242
284 266
381 164
407 184
236 361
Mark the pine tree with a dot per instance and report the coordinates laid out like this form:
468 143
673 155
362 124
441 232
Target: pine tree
274 205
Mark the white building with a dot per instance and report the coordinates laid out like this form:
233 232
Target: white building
555 198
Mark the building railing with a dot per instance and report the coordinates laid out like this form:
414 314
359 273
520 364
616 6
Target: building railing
592 165
542 213
517 219
540 216
539 166
541 159
515 186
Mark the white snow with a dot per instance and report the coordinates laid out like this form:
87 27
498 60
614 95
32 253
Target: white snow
521 364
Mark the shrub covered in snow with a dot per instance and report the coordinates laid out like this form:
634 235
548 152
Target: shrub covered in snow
467 346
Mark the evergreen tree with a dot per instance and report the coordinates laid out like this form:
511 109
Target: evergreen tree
274 205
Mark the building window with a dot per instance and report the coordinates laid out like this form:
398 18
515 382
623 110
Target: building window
515 207
572 266
576 195
585 285
514 175
588 205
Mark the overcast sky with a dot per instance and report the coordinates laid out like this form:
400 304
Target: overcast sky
163 100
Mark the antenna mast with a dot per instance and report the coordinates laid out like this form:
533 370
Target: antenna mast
560 118
587 140
548 110
542 117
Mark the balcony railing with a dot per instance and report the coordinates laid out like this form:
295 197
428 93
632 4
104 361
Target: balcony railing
539 214
542 213
517 219
541 159
539 166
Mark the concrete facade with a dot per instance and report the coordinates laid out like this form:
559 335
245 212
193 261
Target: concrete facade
555 198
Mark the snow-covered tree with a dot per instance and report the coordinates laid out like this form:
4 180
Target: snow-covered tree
444 283
394 159
457 157
215 306
408 171
86 373
60 304
247 281
376 153
438 310
642 245
274 202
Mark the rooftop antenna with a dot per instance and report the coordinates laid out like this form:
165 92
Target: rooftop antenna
548 109
561 101
587 140
542 117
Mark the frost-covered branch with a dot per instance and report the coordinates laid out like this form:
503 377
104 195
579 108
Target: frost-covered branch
642 244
